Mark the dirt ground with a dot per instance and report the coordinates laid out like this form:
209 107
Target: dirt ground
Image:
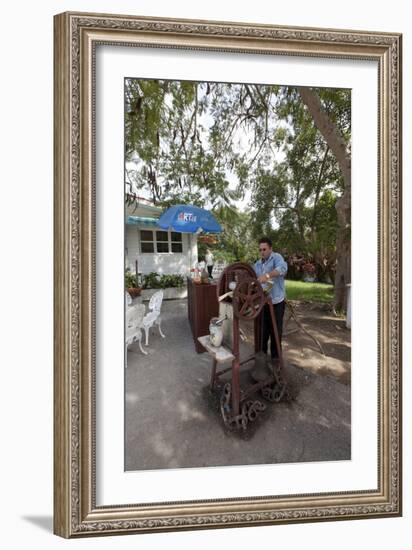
331 333
318 340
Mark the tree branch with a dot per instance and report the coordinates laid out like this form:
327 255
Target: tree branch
318 188
329 131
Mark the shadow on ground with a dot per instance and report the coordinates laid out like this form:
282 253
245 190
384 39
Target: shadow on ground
173 420
43 522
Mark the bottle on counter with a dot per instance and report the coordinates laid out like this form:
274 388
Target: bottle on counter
204 276
196 275
216 331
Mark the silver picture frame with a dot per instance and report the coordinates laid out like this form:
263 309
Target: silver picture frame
76 36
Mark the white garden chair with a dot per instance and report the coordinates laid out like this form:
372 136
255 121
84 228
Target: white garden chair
153 317
134 325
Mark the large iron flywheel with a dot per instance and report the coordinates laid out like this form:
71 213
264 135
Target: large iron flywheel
247 294
248 298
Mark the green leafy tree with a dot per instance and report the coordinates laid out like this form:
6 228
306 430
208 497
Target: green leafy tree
286 150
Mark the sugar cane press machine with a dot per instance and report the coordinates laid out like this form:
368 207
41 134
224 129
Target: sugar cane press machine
242 298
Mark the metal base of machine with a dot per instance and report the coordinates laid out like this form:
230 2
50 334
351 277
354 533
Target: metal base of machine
275 392
273 388
249 410
238 287
269 371
261 369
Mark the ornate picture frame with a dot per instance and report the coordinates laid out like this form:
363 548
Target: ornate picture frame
76 512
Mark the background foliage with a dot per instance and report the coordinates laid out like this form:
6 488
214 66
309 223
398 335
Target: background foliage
250 153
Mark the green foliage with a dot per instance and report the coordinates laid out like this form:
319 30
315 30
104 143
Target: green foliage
130 280
154 280
299 193
237 242
166 135
213 144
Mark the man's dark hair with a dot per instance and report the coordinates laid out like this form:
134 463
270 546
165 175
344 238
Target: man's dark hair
265 240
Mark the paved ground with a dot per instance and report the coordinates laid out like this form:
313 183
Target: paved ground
173 421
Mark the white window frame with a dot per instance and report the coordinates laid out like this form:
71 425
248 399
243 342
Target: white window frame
144 241
171 242
154 241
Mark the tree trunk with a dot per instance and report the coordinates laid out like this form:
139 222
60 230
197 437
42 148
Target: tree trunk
337 144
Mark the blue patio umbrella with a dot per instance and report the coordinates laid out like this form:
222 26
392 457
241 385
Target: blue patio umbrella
186 218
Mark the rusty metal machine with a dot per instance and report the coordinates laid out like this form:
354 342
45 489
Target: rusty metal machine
239 289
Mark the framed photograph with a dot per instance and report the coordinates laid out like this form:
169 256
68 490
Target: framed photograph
227 274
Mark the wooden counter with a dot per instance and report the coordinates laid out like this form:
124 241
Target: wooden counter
202 305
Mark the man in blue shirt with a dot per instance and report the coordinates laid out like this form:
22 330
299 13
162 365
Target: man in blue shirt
271 269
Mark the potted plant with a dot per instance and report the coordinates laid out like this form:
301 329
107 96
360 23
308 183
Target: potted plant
131 284
173 285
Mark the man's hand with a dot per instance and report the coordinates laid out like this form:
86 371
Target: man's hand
263 278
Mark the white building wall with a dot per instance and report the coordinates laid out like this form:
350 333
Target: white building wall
163 263
132 247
